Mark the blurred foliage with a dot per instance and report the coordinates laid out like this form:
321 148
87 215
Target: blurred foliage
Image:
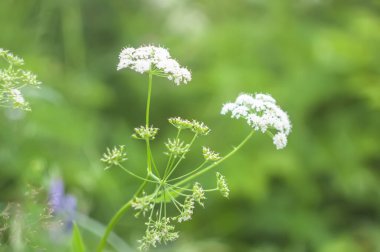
318 58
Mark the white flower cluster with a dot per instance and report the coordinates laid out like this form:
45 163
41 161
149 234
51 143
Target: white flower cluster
158 231
17 97
156 60
262 113
13 79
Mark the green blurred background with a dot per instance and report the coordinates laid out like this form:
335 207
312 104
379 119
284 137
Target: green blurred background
318 58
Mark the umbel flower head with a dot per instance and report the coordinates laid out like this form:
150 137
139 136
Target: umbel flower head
145 133
155 60
209 154
195 126
114 156
263 114
12 79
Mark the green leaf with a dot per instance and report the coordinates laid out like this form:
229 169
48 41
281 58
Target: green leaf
77 244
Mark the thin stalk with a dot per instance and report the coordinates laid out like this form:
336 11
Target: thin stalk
181 158
179 193
134 175
165 188
148 100
154 163
216 163
115 219
188 174
150 159
149 156
154 200
175 202
171 155
180 188
111 224
211 190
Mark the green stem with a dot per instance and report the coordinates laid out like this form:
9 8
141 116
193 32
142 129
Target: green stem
216 163
111 224
148 153
127 205
148 100
115 219
134 175
211 190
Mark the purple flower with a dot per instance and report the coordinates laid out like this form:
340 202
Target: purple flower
64 206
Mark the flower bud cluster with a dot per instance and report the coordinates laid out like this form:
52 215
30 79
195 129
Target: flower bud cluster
210 155
115 156
200 128
176 147
156 60
262 113
198 194
145 133
180 123
221 185
195 126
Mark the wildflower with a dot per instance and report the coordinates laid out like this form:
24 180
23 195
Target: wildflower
115 156
210 155
12 79
195 126
180 123
198 194
187 211
155 60
262 113
157 231
165 230
200 128
62 205
221 185
151 238
176 147
145 133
